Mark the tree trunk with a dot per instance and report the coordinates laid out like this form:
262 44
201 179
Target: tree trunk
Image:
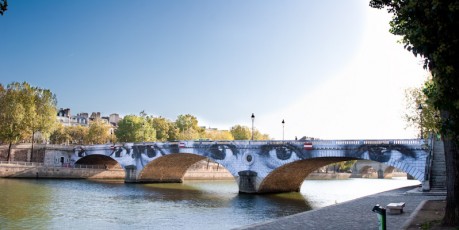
9 152
451 217
31 153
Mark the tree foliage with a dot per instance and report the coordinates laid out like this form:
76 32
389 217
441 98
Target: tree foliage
429 29
135 129
188 127
162 127
98 133
240 132
427 118
257 135
3 6
220 135
77 134
60 135
25 110
173 132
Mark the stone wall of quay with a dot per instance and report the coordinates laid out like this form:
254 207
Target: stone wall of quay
23 152
37 171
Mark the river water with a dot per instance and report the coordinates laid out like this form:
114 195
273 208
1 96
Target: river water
85 204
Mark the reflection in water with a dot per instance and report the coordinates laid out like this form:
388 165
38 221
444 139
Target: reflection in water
24 204
270 205
76 204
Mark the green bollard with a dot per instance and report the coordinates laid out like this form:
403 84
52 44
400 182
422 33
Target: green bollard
381 216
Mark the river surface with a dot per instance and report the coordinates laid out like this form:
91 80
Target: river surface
85 204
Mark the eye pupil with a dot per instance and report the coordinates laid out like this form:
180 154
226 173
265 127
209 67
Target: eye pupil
249 158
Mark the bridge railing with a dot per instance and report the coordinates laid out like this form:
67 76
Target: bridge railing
21 163
413 142
37 164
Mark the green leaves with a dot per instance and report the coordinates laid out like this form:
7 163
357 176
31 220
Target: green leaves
135 129
25 110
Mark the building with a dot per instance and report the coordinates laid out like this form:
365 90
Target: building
83 119
65 118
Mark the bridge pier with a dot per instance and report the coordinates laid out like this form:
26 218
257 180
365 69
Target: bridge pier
247 180
131 174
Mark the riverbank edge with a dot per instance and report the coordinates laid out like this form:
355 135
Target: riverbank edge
356 213
54 172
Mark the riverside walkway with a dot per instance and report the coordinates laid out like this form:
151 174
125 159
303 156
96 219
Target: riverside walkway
354 214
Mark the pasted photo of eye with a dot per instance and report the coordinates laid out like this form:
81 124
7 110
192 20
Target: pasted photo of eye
221 151
384 152
276 155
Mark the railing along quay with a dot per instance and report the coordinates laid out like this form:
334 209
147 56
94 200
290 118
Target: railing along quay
36 164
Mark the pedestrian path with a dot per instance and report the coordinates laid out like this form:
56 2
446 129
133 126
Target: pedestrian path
355 214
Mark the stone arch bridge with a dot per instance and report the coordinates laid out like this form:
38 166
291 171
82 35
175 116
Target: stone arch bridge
257 166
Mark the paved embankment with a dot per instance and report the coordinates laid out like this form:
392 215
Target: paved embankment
355 214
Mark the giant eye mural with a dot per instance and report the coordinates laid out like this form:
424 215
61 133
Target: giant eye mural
262 158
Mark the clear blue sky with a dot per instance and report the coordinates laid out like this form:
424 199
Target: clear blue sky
218 60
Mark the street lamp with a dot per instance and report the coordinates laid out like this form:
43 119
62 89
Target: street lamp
253 119
143 127
420 117
283 125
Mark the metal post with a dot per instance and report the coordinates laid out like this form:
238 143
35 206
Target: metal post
253 119
420 117
381 211
283 126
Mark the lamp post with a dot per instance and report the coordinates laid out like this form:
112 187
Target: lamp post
143 127
283 126
253 119
420 117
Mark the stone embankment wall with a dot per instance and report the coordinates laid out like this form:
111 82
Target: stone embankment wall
207 170
22 152
16 170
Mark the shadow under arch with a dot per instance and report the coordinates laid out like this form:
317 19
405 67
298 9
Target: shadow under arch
289 177
388 171
102 160
169 168
366 169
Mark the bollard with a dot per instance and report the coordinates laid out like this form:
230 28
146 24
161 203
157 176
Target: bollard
381 216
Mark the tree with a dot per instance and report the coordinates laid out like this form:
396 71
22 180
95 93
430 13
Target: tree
188 127
240 132
173 132
162 126
59 136
12 116
221 135
135 129
43 116
77 134
429 29
428 118
259 136
3 6
189 134
24 110
98 133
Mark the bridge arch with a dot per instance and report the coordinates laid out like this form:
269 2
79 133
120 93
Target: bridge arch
169 168
290 177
